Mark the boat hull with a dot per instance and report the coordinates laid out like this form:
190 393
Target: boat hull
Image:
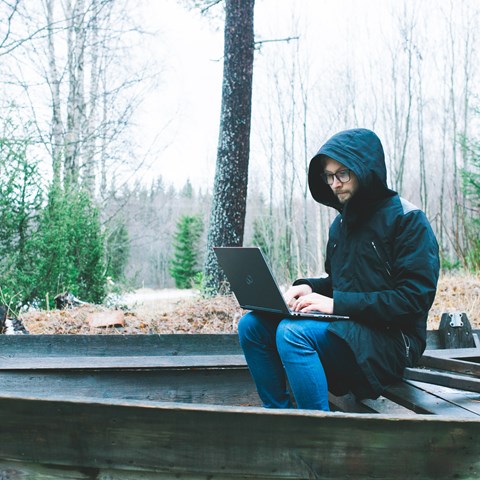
202 441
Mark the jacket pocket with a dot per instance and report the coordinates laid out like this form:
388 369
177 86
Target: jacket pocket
385 263
406 342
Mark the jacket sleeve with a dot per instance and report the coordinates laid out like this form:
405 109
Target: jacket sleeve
322 285
414 279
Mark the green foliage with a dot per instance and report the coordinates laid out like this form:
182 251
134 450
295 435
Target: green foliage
471 185
447 265
21 197
53 247
184 266
117 250
69 247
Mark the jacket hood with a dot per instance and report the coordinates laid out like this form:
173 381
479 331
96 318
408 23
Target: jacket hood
361 151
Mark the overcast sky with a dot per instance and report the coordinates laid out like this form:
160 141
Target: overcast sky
183 112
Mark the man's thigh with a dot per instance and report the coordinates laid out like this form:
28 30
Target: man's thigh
338 360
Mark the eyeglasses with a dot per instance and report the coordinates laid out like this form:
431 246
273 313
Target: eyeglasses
343 176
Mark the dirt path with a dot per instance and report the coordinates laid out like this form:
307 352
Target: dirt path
164 298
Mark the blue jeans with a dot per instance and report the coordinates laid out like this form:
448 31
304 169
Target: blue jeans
302 351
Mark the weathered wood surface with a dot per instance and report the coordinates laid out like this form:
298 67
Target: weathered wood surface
118 345
446 379
468 366
112 426
199 441
210 379
189 368
135 345
123 362
220 386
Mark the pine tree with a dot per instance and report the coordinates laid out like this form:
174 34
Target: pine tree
21 197
227 217
117 244
184 265
70 248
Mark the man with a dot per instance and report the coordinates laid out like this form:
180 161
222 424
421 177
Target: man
382 270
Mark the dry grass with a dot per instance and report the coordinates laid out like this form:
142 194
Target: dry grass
221 314
456 293
188 315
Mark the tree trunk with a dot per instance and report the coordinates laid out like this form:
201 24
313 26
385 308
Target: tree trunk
54 82
91 120
227 218
76 97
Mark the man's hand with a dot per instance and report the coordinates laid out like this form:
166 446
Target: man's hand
295 292
313 302
301 299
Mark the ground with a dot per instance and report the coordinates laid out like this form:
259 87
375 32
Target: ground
185 311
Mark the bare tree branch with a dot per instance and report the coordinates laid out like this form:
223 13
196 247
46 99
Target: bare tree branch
276 40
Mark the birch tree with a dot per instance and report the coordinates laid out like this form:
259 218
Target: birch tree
76 52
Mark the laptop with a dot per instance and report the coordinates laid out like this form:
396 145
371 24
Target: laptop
254 285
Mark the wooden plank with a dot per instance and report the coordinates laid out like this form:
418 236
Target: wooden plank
197 385
422 402
236 442
451 365
115 362
462 382
460 353
134 345
467 400
386 406
116 345
10 470
348 403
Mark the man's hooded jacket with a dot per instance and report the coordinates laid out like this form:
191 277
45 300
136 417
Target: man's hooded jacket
382 262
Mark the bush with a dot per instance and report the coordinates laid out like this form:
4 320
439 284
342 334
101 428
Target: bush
47 249
117 246
184 266
70 248
21 198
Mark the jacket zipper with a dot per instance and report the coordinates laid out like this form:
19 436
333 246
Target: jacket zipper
406 341
385 264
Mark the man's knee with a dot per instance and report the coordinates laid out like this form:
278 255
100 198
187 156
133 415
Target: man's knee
254 327
289 333
299 334
246 325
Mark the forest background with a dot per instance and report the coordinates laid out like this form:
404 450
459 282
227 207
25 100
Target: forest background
102 176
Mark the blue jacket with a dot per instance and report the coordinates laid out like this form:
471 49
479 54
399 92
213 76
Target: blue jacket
382 263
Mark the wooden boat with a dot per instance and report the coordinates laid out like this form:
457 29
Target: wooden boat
184 406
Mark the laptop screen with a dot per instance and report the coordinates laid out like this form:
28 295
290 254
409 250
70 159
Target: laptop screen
253 283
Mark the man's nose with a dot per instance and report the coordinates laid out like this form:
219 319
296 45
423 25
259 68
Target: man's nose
336 182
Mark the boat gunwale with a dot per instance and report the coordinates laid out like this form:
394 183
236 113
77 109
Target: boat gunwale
235 409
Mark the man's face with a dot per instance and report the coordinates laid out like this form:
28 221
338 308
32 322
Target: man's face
345 190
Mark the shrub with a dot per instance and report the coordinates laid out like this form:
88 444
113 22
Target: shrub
184 267
70 248
21 198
